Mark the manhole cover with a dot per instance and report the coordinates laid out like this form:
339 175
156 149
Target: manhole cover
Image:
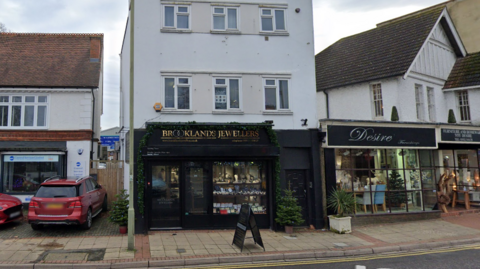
79 256
340 244
181 250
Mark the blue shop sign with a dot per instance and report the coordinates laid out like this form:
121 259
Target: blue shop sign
109 140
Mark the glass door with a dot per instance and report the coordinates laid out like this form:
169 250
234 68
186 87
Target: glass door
165 193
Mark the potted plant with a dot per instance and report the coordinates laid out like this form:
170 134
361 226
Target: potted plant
343 203
289 213
119 211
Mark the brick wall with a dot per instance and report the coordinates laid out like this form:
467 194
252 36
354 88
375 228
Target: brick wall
33 135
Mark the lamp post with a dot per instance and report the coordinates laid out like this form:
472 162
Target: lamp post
131 210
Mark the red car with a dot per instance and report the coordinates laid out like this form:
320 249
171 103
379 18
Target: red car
10 208
70 201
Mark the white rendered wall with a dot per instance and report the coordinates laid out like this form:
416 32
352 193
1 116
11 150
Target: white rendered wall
71 111
201 53
78 162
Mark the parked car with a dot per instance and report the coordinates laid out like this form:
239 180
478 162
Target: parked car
70 201
10 208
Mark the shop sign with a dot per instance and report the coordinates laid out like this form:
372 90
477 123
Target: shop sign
460 135
192 136
109 141
30 158
381 136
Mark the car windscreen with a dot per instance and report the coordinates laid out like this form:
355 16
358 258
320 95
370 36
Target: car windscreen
56 192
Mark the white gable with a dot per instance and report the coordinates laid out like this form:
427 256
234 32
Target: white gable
437 56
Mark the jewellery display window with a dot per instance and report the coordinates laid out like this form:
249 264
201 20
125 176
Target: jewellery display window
237 183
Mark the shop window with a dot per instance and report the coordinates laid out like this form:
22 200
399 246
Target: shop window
237 183
177 93
197 178
377 100
177 17
272 20
29 111
25 173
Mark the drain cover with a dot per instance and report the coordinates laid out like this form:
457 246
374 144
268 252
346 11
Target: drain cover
181 250
340 244
78 256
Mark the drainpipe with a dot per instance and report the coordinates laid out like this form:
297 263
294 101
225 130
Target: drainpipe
327 104
93 125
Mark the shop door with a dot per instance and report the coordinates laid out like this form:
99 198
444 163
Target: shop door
296 178
165 196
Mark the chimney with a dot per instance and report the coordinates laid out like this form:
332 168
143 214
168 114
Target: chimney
94 49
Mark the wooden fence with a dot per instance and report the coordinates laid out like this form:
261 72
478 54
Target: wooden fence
109 175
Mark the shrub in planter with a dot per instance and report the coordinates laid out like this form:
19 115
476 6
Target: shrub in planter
343 203
289 213
119 211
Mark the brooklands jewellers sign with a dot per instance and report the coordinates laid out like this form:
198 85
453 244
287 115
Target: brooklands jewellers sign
381 136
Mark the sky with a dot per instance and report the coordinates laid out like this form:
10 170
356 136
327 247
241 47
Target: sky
333 19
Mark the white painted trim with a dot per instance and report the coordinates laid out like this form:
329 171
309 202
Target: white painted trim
455 33
225 73
238 3
46 90
462 88
427 78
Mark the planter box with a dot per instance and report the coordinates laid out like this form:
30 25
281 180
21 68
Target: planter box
340 225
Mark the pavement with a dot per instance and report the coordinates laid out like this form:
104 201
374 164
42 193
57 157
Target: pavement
103 247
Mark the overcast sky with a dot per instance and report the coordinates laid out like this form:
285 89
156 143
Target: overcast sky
333 20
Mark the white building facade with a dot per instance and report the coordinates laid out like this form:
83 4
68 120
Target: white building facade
216 62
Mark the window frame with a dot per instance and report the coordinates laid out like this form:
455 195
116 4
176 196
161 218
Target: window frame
277 93
419 102
175 98
176 13
226 16
431 104
228 90
23 104
274 19
463 107
377 103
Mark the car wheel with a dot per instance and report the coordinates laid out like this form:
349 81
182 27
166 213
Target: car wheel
88 223
105 204
36 227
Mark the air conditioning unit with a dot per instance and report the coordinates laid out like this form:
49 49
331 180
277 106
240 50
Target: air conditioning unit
117 146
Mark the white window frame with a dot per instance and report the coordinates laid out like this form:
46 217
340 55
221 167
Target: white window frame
176 13
225 15
175 88
419 103
23 104
431 104
274 19
228 90
277 93
377 100
463 106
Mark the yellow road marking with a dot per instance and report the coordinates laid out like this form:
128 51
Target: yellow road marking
338 260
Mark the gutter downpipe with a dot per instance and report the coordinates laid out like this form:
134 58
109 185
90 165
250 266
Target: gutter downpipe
93 125
327 103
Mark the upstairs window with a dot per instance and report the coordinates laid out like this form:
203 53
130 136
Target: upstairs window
276 94
177 17
177 93
227 93
225 18
419 102
431 104
272 20
23 111
463 106
377 100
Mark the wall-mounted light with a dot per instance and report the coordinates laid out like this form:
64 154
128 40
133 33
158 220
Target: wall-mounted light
297 10
269 121
304 122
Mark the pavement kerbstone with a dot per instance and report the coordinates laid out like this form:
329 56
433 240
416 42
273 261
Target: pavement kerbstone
17 266
50 265
299 255
198 261
268 257
92 265
465 241
135 264
385 249
335 253
235 259
361 251
410 247
165 263
432 245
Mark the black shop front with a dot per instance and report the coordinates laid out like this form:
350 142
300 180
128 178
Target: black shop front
197 176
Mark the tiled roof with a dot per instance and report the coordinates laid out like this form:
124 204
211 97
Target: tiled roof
465 72
386 51
50 60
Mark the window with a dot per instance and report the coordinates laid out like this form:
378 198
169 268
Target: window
419 102
177 93
273 20
227 93
276 94
463 106
23 111
377 99
431 104
225 18
177 17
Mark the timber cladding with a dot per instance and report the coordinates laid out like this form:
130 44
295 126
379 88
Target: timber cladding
109 176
